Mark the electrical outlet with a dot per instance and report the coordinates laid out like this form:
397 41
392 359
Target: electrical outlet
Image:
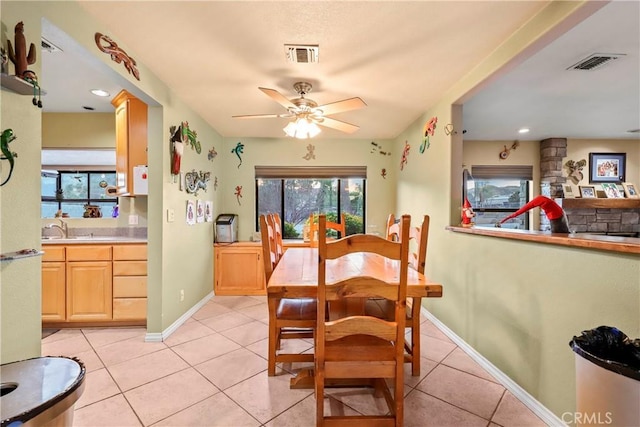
181 294
171 215
133 219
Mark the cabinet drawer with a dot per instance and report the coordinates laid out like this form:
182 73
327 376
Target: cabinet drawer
130 252
89 253
130 268
53 253
129 308
129 286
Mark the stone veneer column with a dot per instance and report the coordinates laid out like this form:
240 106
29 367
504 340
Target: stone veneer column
552 151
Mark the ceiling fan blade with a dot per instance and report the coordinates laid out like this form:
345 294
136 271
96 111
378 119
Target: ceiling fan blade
262 116
339 125
278 97
340 106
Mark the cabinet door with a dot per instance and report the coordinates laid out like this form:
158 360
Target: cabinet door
89 291
122 144
239 271
53 291
131 139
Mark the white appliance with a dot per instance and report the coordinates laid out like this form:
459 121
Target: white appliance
227 228
140 180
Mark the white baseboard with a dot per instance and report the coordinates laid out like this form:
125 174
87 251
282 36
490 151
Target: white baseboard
161 336
529 401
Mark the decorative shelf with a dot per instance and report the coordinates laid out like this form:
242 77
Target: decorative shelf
24 253
584 203
18 85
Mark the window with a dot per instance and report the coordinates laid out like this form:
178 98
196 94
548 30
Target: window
497 191
296 192
70 191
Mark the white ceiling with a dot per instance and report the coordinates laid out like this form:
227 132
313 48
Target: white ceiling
399 57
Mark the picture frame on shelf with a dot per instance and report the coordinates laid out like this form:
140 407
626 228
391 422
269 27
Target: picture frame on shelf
630 190
607 167
611 191
588 192
567 191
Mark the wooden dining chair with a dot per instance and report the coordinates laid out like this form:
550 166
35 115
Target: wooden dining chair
340 227
418 238
358 347
393 229
289 318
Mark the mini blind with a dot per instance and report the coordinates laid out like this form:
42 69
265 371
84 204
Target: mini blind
311 171
502 172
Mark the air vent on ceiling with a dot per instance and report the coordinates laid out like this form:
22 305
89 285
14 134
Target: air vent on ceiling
595 60
302 54
48 46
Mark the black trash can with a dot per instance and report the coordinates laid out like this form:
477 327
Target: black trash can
607 378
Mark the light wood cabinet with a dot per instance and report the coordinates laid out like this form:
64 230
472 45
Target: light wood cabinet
130 282
239 269
89 291
94 284
131 139
53 284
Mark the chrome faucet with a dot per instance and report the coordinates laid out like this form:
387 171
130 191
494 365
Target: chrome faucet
64 229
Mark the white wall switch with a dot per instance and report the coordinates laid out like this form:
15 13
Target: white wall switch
133 219
171 215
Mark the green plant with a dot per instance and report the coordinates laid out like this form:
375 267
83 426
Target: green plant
289 231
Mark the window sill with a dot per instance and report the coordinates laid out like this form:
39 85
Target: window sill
589 241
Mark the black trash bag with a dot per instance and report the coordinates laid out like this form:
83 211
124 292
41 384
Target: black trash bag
610 349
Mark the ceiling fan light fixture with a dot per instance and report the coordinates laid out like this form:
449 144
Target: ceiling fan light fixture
302 128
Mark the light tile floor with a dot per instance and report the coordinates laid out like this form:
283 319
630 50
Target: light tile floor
212 371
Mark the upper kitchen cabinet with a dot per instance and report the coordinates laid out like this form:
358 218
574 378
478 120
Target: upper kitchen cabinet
131 140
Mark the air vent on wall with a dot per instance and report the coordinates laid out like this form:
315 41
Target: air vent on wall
48 46
302 54
595 60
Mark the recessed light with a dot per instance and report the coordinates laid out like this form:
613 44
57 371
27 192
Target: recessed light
523 130
100 92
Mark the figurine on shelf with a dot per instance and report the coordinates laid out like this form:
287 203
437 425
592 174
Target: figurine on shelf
467 214
20 58
556 215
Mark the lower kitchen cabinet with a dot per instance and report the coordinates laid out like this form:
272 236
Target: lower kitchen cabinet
130 282
89 291
53 291
238 269
94 284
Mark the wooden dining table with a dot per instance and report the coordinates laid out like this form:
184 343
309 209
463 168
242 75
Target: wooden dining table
296 276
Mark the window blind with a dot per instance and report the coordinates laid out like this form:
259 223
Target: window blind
524 172
311 171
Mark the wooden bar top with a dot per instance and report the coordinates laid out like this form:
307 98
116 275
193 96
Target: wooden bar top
629 245
296 275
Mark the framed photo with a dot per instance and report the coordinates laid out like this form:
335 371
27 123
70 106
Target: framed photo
567 190
630 190
607 167
611 191
587 191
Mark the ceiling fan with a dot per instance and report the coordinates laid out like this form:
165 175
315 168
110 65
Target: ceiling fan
308 112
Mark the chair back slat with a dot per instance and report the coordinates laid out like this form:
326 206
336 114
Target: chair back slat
361 287
360 325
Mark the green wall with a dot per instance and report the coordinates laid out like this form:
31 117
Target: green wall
290 152
20 280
